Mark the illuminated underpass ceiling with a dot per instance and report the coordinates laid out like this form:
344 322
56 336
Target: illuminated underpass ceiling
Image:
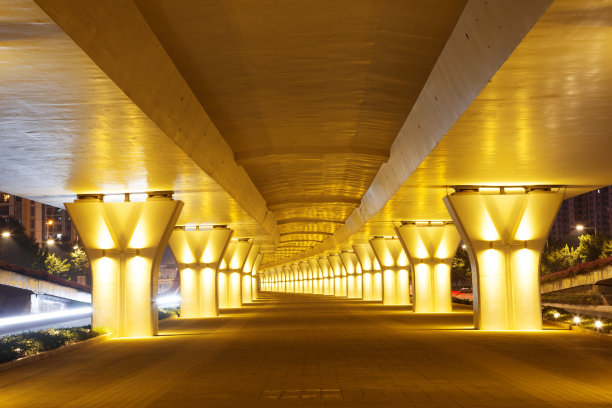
311 124
66 129
543 119
309 95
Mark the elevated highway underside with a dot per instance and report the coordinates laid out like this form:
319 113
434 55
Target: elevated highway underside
337 148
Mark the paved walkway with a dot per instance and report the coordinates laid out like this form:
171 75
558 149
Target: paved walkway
310 351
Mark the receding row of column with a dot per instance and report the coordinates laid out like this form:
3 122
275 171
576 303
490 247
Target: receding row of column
125 242
504 230
380 270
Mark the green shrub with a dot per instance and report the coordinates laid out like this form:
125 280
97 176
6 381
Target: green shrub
165 313
586 321
463 301
572 299
28 343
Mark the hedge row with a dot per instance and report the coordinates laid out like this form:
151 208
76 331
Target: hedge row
33 342
578 269
43 275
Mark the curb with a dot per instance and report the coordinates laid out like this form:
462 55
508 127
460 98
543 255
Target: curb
593 333
580 330
49 353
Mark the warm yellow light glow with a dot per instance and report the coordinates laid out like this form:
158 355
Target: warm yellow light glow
556 315
104 271
576 319
234 292
442 288
514 190
579 227
6 234
208 305
50 242
423 301
389 297
103 239
598 324
489 232
402 260
420 252
50 222
402 287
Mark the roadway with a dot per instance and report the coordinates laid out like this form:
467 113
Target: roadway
312 351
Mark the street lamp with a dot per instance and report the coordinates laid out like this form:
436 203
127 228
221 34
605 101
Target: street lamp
6 234
580 228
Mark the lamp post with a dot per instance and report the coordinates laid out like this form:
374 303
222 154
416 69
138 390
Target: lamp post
580 228
49 239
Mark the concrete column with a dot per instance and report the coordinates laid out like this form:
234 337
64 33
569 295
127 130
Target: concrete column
289 279
353 272
431 247
124 243
307 275
297 277
505 230
328 276
394 263
276 281
247 271
281 284
198 252
255 276
230 273
317 275
340 278
371 273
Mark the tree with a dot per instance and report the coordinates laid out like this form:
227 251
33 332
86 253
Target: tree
19 248
461 269
57 266
557 259
79 264
560 256
590 248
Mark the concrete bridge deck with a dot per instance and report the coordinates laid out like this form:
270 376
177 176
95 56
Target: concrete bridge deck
311 351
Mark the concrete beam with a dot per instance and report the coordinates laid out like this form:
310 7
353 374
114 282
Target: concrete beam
115 35
484 37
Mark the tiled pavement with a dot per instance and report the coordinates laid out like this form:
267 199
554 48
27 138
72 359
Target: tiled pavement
309 351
